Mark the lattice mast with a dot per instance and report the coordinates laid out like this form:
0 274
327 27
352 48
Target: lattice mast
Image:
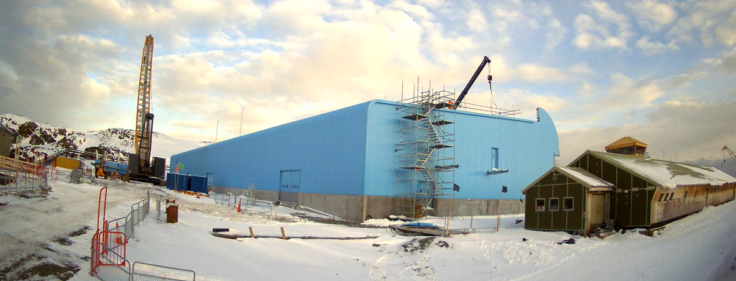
730 152
143 116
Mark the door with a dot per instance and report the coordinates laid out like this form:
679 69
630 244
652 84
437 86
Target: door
210 180
289 189
596 208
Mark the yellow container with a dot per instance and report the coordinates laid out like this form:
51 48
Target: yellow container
67 163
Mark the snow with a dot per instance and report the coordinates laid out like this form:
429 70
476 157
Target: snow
670 174
584 176
698 247
163 145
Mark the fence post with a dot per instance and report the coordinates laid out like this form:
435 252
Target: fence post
132 223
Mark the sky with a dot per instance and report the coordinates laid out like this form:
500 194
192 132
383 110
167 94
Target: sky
659 71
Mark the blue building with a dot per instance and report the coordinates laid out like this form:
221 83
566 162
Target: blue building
352 162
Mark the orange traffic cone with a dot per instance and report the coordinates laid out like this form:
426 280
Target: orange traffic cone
238 207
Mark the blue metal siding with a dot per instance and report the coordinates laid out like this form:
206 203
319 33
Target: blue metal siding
352 151
328 149
526 148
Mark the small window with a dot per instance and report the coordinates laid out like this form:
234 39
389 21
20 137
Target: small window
554 204
540 205
685 196
494 158
670 198
661 195
568 203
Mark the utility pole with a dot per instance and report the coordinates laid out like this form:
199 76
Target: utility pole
217 127
241 121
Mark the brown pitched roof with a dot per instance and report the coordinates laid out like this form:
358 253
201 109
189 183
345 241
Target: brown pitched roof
625 142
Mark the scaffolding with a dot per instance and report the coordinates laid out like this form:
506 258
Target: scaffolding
426 151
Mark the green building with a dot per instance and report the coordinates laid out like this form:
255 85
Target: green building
607 190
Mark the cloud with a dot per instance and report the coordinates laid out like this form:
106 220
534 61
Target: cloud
418 11
726 32
540 74
555 33
508 19
476 21
587 88
650 48
653 15
505 15
671 129
517 99
711 21
580 69
607 14
593 34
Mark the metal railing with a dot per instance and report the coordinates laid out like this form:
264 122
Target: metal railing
473 223
16 175
152 272
110 264
127 224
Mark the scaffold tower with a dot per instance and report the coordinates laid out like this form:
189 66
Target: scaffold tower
426 151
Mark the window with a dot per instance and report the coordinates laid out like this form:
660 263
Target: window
670 198
567 204
540 205
494 158
660 197
685 196
554 204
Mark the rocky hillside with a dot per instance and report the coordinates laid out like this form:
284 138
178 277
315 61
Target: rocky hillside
37 139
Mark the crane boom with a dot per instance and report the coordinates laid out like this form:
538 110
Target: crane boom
143 117
460 98
730 152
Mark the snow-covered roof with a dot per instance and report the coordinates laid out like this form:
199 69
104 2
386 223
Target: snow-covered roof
666 173
583 177
3 128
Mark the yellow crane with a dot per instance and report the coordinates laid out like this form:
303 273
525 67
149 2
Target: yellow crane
140 167
143 116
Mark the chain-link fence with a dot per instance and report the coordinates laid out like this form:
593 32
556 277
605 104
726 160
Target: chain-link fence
127 224
474 223
227 199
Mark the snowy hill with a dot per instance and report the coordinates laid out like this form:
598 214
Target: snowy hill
41 139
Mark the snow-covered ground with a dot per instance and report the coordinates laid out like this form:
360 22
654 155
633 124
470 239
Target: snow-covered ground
48 139
39 233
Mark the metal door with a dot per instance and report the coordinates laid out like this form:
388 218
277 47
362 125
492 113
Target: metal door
289 189
210 180
596 209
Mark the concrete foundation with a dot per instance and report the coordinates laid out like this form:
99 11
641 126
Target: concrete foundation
359 207
478 207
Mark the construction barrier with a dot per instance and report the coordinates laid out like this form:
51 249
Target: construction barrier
16 175
154 272
127 224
